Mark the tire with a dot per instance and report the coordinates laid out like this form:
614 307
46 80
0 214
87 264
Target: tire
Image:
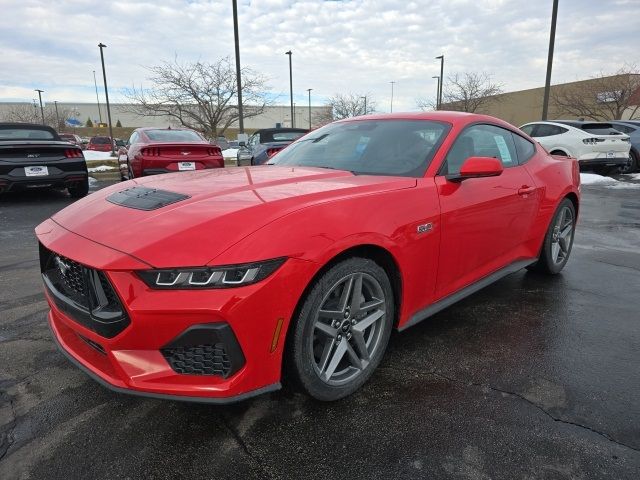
80 190
632 166
560 153
331 355
556 248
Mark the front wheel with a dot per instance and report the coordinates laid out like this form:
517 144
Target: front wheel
342 330
558 240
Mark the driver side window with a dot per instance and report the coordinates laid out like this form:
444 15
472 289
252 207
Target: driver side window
481 141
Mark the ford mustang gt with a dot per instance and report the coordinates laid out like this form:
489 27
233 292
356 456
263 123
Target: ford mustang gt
214 285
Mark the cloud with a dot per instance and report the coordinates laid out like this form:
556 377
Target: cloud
338 46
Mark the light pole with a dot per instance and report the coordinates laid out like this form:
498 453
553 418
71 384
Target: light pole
365 104
55 103
290 53
106 96
440 83
238 77
392 84
309 91
41 109
437 77
97 98
552 41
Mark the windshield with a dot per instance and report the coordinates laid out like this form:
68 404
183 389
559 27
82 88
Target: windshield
173 136
373 147
21 133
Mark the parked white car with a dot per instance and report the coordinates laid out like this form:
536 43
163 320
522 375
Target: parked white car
596 145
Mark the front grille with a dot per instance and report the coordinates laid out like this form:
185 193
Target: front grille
199 360
83 293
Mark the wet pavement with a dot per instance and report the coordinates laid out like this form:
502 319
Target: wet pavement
532 377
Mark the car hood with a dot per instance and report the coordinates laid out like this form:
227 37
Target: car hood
215 209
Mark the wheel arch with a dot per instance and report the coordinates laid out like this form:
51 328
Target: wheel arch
574 199
563 151
378 254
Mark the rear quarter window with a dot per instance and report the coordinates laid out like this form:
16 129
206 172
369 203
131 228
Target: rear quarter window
524 148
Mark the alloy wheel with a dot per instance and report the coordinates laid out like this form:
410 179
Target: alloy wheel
562 235
348 328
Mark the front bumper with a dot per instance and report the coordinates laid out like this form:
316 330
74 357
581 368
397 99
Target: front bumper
136 361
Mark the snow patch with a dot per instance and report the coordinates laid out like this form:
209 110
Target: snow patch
230 153
93 155
621 185
594 179
633 176
92 181
101 168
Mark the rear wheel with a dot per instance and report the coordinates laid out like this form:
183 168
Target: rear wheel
80 189
342 329
631 166
558 240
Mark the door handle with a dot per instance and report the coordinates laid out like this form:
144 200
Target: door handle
526 190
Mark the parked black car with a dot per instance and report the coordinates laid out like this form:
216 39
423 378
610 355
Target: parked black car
631 128
34 156
265 143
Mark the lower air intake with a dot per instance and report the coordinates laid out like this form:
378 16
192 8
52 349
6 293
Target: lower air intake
199 360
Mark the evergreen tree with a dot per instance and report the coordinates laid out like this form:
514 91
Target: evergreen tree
89 123
118 124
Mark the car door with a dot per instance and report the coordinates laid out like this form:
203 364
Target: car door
485 221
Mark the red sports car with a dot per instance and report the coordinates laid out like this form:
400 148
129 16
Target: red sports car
99 144
150 151
210 285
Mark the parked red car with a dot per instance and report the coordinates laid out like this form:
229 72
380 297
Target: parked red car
150 151
209 285
99 144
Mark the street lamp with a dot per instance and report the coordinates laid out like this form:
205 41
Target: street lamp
441 58
365 104
41 109
309 91
437 77
238 77
55 103
290 53
392 84
97 98
106 96
552 41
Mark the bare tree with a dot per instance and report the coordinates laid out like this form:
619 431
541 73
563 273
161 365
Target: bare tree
604 97
30 113
199 95
345 106
467 92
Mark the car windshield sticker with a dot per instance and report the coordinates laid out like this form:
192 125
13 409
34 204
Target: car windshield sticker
504 150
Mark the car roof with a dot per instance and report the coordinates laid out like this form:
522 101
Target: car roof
283 129
143 129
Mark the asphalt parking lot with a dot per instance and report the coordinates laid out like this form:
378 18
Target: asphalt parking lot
531 378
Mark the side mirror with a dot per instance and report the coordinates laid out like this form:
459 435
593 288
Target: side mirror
477 167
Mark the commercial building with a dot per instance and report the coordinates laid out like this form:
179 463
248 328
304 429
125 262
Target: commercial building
597 96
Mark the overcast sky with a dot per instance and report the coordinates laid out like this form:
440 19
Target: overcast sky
354 46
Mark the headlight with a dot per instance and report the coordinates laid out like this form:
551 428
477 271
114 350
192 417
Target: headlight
213 277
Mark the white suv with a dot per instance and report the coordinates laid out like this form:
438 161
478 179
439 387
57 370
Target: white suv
596 145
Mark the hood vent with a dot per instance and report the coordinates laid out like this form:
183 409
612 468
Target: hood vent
143 198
